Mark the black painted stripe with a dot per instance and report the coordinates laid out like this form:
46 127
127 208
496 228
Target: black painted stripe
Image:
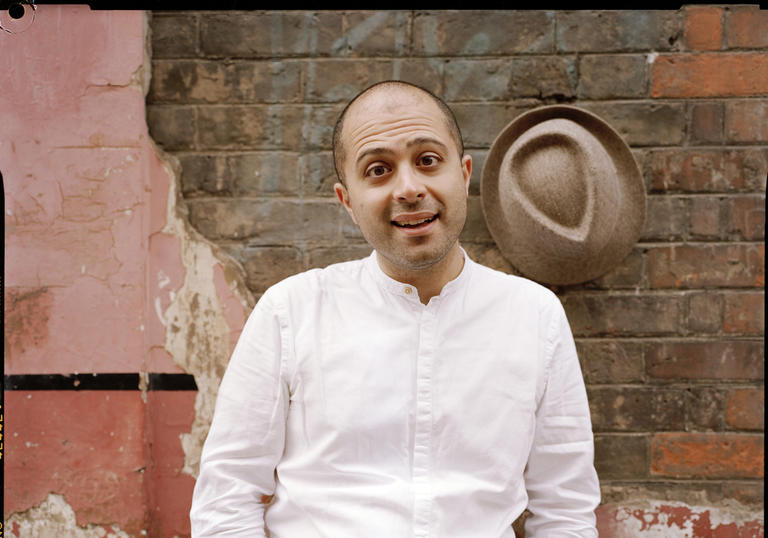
98 382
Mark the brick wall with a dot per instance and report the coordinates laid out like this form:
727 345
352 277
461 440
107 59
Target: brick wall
671 340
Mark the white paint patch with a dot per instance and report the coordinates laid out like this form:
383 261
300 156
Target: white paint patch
671 519
54 517
652 57
199 342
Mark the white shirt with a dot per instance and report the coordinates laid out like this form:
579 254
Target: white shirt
369 414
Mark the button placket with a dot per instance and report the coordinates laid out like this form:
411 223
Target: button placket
423 427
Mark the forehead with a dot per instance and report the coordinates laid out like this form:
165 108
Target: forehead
391 113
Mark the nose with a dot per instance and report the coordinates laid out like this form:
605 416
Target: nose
409 188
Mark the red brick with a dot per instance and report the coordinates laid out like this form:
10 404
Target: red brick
746 27
726 360
703 27
744 313
623 315
746 218
710 75
712 455
704 266
87 446
745 409
707 170
747 121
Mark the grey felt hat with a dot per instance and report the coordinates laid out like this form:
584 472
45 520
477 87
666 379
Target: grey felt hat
562 195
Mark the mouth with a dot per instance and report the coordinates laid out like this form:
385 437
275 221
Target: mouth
414 221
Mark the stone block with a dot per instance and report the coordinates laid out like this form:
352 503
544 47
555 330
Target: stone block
598 314
665 218
239 174
317 174
339 80
636 409
259 34
173 127
705 313
734 360
704 409
618 31
622 457
374 34
482 33
629 273
251 127
510 78
745 408
745 218
324 256
706 127
268 265
747 121
216 82
174 35
706 218
708 265
643 123
727 170
611 361
745 313
475 229
612 76
481 123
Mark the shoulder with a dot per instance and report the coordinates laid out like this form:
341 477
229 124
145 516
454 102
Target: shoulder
309 285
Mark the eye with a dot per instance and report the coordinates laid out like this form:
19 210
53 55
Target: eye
376 170
428 160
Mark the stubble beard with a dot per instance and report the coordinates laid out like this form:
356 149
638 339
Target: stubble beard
411 255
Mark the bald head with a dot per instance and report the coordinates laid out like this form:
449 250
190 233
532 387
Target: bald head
392 87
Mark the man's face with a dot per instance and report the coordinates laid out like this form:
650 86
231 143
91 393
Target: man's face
406 184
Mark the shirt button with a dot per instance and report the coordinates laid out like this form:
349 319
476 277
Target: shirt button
408 290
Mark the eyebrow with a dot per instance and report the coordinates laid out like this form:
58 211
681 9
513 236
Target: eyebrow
422 140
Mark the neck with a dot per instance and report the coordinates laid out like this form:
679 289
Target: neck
428 281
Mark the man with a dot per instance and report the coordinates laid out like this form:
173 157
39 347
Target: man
414 393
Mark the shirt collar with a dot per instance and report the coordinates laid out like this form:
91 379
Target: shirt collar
409 291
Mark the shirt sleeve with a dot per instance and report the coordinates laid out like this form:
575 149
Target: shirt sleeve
246 438
562 485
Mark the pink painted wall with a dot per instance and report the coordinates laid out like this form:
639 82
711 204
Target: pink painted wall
90 271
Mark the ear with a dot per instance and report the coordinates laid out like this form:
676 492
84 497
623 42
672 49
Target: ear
343 195
466 170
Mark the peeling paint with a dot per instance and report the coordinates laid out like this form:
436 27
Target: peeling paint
198 328
669 519
54 517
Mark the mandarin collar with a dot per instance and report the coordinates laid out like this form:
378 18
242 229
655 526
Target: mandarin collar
407 290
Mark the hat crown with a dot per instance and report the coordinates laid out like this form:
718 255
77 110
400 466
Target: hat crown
549 171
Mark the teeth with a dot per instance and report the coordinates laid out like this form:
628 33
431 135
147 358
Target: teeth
415 222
